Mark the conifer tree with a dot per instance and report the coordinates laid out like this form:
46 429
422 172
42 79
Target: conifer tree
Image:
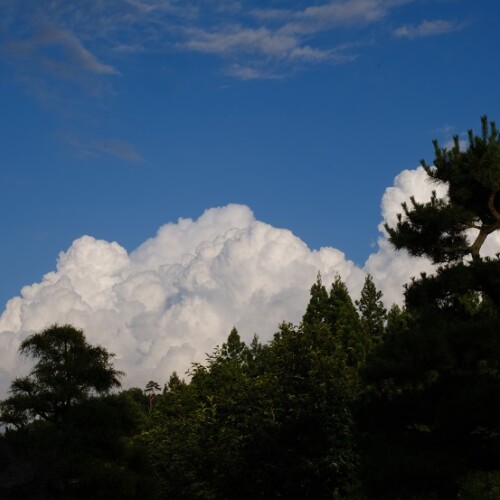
438 228
318 308
150 391
397 321
433 417
373 312
234 347
346 325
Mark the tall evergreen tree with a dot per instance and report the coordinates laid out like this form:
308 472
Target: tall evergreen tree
318 308
373 312
346 325
337 311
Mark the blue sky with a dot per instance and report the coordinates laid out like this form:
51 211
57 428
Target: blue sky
121 115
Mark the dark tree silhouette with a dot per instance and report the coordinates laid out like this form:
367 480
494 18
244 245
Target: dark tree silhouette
68 370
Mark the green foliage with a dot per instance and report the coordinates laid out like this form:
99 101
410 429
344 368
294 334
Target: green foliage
260 421
69 425
451 285
67 372
474 174
355 402
150 392
318 308
316 389
397 321
430 414
373 312
196 442
337 312
438 228
480 486
346 325
93 451
435 229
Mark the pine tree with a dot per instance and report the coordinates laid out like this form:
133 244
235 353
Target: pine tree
434 413
438 228
150 391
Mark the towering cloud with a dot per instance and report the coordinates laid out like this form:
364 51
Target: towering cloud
177 296
391 269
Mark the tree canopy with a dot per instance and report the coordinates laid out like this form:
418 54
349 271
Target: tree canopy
67 371
441 228
355 402
431 416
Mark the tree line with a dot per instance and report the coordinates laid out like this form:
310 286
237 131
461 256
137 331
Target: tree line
354 402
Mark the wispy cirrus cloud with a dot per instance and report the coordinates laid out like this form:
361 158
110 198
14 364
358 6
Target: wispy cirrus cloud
54 65
336 14
276 39
149 6
58 51
111 146
428 28
238 39
117 148
271 41
250 73
332 13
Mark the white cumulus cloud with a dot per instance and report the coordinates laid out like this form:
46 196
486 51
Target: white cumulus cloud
176 297
391 269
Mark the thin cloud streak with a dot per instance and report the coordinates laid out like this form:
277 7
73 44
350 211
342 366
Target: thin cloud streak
427 29
336 14
96 147
69 62
250 73
237 39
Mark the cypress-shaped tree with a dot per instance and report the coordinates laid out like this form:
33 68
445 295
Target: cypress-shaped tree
318 308
346 325
373 312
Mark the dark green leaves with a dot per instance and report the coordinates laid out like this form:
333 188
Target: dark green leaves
438 228
67 371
